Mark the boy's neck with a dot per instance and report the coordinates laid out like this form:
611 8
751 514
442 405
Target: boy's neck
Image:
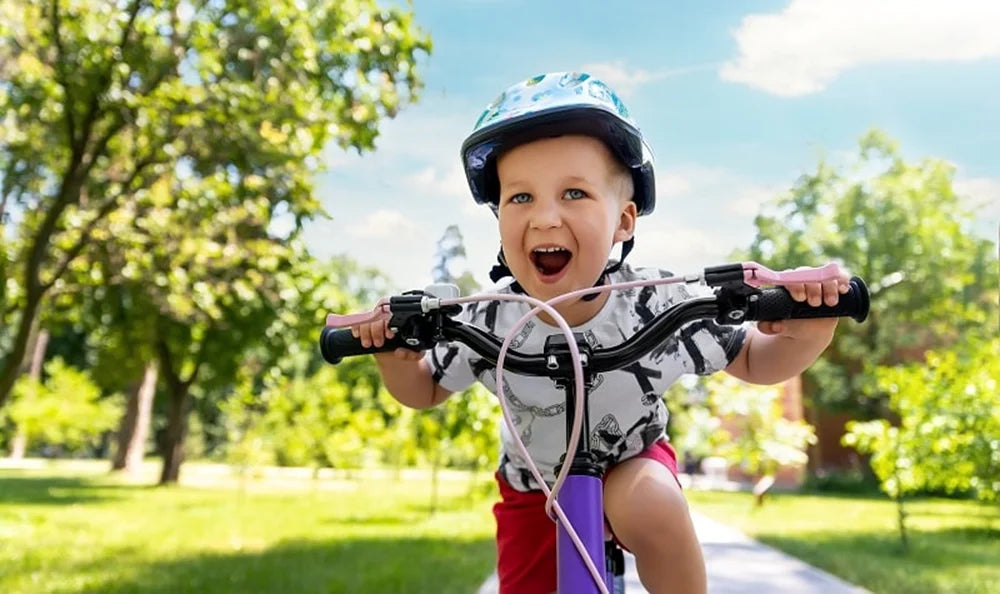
577 312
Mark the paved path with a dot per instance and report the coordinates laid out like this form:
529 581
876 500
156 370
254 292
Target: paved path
738 564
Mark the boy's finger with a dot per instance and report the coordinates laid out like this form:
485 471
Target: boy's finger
797 291
378 333
365 335
831 292
814 293
844 283
354 331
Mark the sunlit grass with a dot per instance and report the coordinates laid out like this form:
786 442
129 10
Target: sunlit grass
954 545
69 527
74 529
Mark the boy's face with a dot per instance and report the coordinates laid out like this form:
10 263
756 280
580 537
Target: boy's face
563 206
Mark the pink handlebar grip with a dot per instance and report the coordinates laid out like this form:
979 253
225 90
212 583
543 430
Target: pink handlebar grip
758 275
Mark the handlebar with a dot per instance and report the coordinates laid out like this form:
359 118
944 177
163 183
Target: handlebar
422 320
729 306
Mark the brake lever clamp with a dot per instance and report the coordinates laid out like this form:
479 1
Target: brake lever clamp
732 292
418 317
733 303
728 276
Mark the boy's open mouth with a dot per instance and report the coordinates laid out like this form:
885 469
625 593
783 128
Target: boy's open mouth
550 260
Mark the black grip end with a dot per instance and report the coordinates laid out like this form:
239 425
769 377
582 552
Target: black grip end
860 291
336 344
777 304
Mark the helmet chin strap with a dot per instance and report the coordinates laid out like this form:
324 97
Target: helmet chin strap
501 270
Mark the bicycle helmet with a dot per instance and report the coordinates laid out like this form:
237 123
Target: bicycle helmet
556 104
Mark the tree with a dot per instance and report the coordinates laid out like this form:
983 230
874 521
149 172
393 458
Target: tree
901 227
438 428
65 410
450 249
326 420
745 424
948 434
103 100
290 407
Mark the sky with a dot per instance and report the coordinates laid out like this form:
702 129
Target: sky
737 100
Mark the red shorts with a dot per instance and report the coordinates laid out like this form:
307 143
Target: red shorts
526 537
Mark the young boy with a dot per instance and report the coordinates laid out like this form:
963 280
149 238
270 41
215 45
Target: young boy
567 173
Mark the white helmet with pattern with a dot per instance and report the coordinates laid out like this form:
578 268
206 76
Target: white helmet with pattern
549 105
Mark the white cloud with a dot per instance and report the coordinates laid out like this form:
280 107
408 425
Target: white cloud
682 250
385 224
390 206
625 81
618 76
723 192
982 194
747 200
441 180
388 240
805 47
702 214
672 185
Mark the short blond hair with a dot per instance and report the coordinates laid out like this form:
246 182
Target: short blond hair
621 181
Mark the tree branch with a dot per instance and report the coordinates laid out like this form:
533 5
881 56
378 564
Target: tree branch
167 365
84 238
99 89
102 144
61 77
7 189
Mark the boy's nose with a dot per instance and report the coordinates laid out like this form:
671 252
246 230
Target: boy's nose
546 214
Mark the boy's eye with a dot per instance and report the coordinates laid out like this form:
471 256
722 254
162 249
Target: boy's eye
574 194
520 198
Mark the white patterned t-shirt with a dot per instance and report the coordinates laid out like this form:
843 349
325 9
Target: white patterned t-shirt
627 412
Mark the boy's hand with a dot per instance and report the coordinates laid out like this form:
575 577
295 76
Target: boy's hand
816 294
376 334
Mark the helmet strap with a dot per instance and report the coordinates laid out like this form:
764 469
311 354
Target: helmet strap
501 270
627 246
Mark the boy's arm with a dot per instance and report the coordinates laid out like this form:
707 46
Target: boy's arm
405 374
772 358
778 350
409 380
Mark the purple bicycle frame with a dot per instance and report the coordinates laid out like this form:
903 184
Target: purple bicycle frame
581 498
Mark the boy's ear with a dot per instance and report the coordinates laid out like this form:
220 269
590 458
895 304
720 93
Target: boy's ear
626 222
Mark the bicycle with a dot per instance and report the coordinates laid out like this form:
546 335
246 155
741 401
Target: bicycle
421 319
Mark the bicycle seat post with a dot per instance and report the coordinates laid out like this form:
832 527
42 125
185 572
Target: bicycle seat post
582 494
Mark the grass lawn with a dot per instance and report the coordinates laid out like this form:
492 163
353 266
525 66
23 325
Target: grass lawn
954 545
71 528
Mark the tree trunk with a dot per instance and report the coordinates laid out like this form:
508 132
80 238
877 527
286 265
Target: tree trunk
173 451
19 446
435 469
134 429
901 514
38 341
25 331
761 486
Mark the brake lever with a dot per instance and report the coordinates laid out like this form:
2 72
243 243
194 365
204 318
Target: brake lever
397 309
757 275
379 312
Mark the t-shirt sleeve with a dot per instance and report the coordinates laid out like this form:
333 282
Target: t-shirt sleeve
707 346
449 362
